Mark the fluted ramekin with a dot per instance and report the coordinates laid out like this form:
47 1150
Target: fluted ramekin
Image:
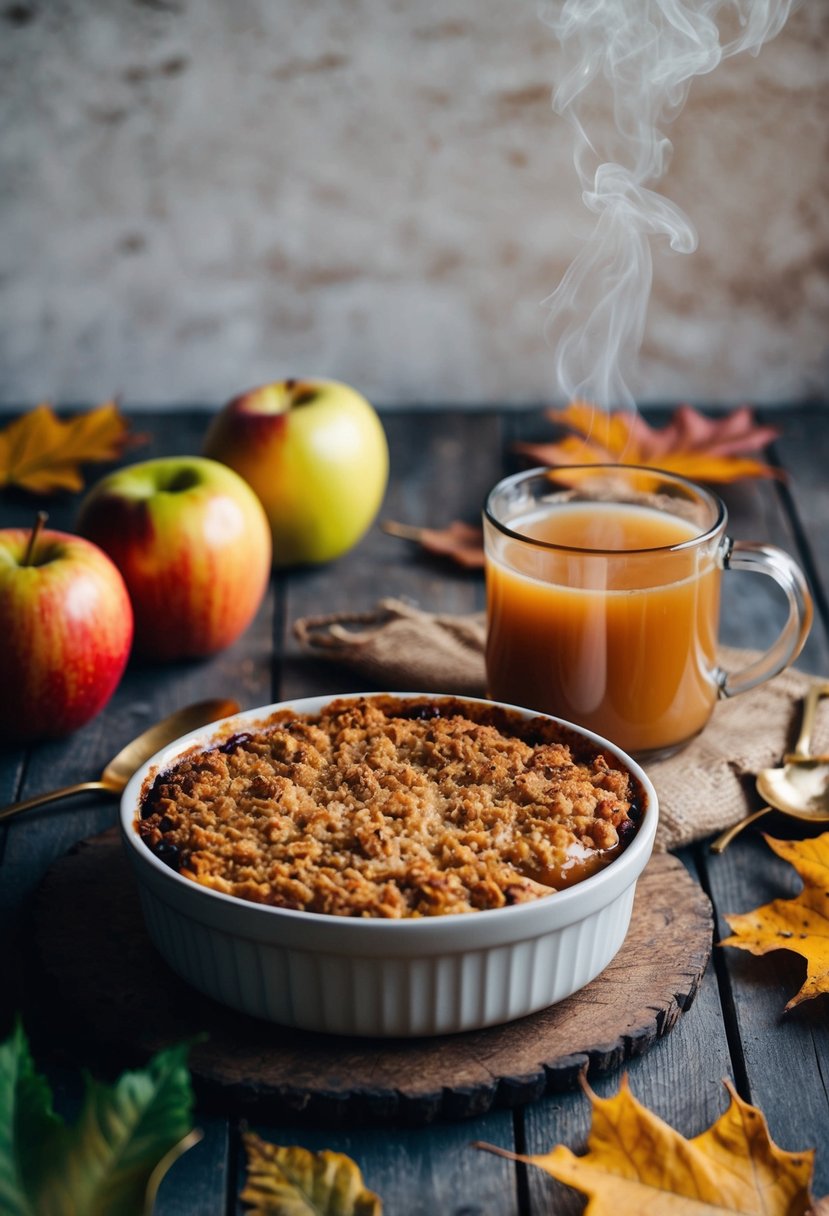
375 976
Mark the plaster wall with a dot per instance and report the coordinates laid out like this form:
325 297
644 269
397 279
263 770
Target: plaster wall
196 197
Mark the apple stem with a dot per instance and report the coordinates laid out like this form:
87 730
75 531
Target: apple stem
28 556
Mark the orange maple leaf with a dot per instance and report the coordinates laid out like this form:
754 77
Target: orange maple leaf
701 448
637 1163
43 453
800 924
289 1181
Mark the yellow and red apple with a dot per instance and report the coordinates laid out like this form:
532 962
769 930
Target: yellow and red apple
65 632
315 452
192 542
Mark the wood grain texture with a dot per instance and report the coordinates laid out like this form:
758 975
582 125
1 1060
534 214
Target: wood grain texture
680 1078
421 1171
29 844
147 692
198 1183
785 1056
88 925
781 1060
803 448
442 464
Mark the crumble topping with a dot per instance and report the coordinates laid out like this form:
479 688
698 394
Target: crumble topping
391 808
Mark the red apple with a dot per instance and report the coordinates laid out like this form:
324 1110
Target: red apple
65 632
316 454
192 542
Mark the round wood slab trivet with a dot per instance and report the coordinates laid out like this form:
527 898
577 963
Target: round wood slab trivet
99 969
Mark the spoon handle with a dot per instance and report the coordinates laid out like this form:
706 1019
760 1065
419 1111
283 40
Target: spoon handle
804 740
17 807
724 840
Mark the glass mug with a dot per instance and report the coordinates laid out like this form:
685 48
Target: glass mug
603 596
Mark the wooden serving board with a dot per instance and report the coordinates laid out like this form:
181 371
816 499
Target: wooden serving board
103 982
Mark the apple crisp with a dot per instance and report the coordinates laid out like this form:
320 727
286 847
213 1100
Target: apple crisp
385 807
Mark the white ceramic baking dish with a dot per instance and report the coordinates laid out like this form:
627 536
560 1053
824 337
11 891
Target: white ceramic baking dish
381 977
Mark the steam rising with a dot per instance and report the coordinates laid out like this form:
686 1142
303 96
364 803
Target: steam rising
646 52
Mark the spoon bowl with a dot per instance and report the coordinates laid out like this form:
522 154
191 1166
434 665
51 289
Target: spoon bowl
130 758
800 788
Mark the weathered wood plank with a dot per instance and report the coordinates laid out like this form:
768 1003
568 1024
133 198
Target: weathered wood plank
250 1066
442 467
786 1056
803 449
680 1079
198 1181
752 607
421 1171
146 693
18 509
33 841
771 1069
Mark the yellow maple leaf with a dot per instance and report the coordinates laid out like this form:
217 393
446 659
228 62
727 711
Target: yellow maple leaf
296 1182
43 453
636 1163
691 444
800 924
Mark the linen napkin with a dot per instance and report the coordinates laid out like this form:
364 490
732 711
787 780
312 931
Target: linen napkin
702 789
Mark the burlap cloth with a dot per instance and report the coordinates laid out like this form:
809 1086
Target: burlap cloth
704 788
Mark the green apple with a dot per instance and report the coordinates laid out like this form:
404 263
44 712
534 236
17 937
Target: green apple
315 452
193 544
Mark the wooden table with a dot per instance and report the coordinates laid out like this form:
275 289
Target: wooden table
443 462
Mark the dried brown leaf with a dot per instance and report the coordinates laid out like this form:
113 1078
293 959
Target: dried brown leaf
459 542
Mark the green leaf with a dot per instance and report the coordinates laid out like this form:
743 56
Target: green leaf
121 1134
104 1163
28 1125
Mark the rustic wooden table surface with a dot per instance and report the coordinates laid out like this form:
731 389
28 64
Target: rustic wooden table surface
443 462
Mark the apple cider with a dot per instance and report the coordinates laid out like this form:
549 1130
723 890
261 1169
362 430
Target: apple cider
599 615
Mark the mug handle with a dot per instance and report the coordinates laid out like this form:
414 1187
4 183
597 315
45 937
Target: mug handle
768 559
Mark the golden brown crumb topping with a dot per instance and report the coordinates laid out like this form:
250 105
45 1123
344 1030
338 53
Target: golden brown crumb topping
391 808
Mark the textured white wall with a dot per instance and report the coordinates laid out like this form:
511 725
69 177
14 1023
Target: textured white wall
199 196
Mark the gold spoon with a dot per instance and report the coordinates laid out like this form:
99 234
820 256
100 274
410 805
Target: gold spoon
800 788
119 770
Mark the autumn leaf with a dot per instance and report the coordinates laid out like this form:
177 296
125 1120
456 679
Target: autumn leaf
800 924
43 453
691 444
111 1157
459 542
296 1182
637 1163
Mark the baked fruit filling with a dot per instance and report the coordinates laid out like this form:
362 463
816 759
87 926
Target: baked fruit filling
384 807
